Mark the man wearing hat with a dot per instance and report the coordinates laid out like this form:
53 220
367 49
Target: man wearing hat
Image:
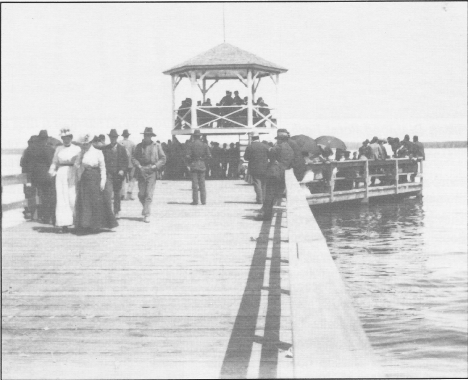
116 159
37 159
257 155
197 153
365 150
148 158
299 166
281 159
129 182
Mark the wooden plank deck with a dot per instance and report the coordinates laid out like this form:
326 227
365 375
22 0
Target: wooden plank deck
200 292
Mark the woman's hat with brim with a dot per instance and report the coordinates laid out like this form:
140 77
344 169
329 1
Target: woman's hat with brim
85 139
149 131
65 132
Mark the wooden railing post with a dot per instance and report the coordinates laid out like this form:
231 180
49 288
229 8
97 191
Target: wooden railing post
332 183
396 176
366 181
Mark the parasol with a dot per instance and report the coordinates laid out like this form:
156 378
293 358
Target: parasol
331 142
306 143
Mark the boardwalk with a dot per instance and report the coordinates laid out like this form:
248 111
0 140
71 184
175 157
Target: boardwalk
201 291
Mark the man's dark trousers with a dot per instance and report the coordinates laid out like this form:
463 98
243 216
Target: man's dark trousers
198 182
274 190
113 185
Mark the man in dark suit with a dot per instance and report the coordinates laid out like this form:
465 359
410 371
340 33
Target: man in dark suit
257 156
116 159
37 160
197 153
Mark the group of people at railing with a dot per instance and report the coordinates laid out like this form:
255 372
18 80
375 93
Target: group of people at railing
230 112
320 179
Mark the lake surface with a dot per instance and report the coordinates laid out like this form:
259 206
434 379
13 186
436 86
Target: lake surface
405 264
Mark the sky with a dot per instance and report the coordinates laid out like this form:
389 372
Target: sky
355 70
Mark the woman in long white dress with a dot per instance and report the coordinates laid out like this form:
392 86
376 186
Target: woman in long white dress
64 169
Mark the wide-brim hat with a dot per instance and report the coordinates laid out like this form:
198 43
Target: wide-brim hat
149 131
64 132
85 138
125 132
113 133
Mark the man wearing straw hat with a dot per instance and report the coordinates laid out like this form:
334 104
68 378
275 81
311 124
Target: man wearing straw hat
148 158
116 159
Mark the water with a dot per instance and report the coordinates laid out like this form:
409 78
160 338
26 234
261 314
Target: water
404 264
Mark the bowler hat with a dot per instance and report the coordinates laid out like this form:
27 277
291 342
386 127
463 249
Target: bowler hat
43 134
125 133
149 131
197 132
282 134
113 133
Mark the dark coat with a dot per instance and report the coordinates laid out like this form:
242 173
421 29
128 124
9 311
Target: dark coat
257 155
299 165
115 163
197 153
419 149
36 161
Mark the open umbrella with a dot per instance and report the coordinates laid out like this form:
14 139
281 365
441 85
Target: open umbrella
331 142
306 143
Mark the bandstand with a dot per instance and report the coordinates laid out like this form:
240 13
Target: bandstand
224 62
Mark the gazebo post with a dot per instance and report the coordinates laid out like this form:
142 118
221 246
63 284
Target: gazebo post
173 102
204 90
193 80
277 100
249 101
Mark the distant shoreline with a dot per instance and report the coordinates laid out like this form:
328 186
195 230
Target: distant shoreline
351 145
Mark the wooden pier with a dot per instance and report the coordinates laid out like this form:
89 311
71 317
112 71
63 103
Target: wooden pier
200 292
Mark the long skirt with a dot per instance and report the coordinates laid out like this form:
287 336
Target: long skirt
66 196
92 211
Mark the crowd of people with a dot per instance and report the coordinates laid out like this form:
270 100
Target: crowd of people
81 183
320 179
231 109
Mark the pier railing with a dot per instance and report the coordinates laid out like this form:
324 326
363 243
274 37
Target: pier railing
328 339
343 180
15 179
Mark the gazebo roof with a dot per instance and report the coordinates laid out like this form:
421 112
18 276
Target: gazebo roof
224 61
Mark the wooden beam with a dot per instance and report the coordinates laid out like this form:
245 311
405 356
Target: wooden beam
241 79
396 176
174 85
193 80
249 99
216 81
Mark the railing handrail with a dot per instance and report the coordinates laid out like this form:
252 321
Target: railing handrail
14 179
328 339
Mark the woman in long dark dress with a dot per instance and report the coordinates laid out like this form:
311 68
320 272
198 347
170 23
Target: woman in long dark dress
92 211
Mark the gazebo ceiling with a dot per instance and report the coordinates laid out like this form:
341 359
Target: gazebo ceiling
225 61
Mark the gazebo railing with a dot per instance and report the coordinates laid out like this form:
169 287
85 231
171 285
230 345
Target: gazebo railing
224 117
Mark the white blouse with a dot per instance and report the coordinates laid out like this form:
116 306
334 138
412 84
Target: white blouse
95 159
64 155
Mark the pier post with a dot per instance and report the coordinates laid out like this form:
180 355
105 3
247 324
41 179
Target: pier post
396 176
366 182
421 176
332 184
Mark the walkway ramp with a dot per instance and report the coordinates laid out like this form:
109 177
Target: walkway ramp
200 292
